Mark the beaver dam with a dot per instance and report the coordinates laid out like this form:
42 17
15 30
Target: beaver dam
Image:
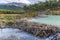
36 29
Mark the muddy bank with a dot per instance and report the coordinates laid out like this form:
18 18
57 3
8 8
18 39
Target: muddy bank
37 29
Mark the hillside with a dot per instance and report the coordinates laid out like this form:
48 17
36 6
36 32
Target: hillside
12 6
9 7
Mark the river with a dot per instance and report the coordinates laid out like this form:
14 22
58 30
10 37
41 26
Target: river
16 34
51 19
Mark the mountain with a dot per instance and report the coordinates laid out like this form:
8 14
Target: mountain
12 6
17 4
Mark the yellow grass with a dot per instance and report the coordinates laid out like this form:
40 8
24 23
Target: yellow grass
55 12
12 17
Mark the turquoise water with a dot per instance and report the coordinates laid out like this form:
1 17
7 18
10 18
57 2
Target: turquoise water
51 19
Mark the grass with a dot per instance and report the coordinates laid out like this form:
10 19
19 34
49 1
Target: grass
57 12
4 11
52 12
13 17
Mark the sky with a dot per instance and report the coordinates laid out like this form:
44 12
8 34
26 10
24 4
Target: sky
22 1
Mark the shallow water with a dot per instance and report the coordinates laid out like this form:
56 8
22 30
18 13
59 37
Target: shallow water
51 19
16 34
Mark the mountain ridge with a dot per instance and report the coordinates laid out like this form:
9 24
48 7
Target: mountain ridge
12 6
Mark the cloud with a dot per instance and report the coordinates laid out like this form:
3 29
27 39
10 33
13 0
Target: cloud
25 1
35 1
22 1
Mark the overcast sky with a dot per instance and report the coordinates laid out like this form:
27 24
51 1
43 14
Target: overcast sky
23 1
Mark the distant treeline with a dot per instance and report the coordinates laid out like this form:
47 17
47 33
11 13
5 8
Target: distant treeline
10 12
42 6
48 7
